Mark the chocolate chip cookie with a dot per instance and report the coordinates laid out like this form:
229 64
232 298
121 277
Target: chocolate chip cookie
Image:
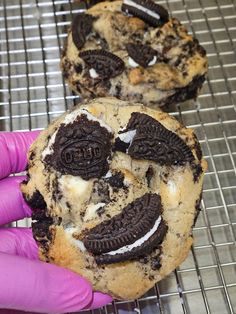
133 50
115 189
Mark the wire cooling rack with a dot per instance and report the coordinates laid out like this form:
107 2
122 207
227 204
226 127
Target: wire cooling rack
32 93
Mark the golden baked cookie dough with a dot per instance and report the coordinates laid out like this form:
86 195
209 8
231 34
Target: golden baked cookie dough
115 187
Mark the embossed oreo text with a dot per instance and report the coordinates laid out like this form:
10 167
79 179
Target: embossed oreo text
81 148
81 153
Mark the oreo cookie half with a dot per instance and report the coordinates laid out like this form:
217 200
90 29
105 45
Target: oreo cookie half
147 10
146 138
136 231
104 64
81 28
81 148
144 55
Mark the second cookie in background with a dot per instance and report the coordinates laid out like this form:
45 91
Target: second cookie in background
135 51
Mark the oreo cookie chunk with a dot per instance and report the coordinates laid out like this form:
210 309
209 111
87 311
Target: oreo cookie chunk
81 148
118 214
143 56
81 28
146 138
102 64
149 11
136 231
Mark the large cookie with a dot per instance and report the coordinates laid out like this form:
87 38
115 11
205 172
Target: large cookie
134 51
115 188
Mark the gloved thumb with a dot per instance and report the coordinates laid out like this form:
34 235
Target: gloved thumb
35 286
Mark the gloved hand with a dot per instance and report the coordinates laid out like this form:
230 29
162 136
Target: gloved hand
25 282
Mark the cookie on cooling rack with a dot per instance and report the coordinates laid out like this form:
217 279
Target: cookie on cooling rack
134 51
115 188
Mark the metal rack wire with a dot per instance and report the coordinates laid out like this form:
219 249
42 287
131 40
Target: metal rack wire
32 92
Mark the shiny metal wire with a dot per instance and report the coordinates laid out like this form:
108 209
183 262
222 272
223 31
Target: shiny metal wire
33 92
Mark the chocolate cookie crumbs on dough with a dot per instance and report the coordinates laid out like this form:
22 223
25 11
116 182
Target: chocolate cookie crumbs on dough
152 141
106 64
81 28
149 175
116 180
197 171
41 227
144 55
156 263
197 208
81 148
78 68
147 10
36 201
116 239
188 92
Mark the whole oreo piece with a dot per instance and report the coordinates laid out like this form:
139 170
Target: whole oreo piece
115 240
81 28
81 149
147 10
142 54
152 141
106 64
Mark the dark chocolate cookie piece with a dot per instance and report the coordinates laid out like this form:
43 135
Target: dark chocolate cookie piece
36 201
147 10
124 229
81 148
81 28
41 225
142 54
116 180
188 92
146 248
106 64
152 141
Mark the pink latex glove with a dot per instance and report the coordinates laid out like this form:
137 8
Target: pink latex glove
26 283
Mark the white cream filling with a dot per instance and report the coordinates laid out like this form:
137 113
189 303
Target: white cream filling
127 137
108 174
132 63
141 8
49 150
172 187
77 243
127 182
93 73
139 242
91 210
71 117
153 61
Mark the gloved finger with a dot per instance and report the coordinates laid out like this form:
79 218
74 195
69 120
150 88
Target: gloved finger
99 299
5 311
18 241
35 286
13 148
12 204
